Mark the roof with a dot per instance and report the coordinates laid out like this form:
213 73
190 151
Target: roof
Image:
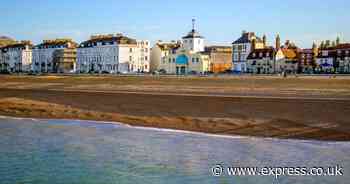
119 39
262 53
247 38
289 53
4 40
193 34
342 46
168 46
56 42
22 44
216 48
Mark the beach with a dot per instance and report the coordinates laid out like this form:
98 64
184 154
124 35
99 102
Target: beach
303 107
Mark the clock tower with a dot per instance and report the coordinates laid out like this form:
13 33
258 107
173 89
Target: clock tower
193 41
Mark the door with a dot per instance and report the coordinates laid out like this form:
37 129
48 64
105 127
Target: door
183 70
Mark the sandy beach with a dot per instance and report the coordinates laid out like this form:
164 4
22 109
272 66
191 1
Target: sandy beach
315 108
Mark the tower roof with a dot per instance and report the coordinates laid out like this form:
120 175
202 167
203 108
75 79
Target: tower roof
193 33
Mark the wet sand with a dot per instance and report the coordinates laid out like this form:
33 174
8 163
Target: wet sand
251 106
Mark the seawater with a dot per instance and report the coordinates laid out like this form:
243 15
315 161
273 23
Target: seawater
34 151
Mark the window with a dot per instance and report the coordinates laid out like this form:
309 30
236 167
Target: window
130 50
146 58
130 58
193 60
197 60
190 41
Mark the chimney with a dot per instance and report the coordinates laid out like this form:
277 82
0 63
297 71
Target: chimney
314 49
253 44
337 40
264 40
287 44
278 42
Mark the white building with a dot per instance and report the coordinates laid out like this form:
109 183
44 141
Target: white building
113 54
193 41
16 57
43 54
142 63
242 47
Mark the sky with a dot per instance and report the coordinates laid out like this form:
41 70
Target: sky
220 22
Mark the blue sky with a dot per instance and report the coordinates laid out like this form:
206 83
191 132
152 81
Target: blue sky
220 21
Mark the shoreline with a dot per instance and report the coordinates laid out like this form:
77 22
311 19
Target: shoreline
175 131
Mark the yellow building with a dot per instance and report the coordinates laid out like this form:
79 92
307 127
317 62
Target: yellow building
220 58
64 60
159 51
186 62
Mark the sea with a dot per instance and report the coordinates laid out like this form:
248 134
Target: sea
40 151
